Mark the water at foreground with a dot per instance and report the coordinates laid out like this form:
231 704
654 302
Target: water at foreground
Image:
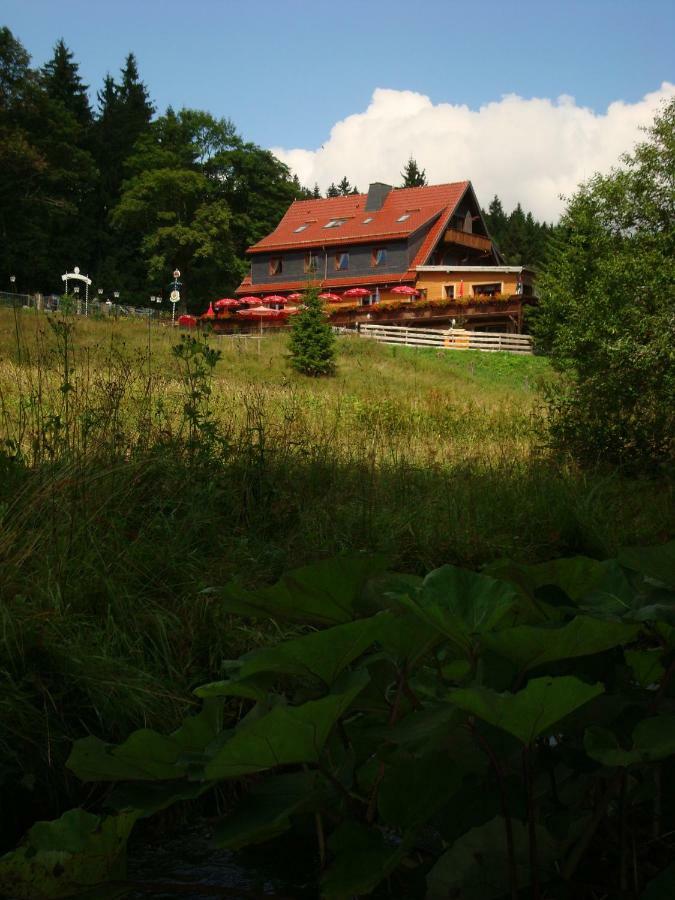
186 865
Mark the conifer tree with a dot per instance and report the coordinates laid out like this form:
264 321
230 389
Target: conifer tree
316 193
412 175
344 187
332 190
134 100
312 342
61 79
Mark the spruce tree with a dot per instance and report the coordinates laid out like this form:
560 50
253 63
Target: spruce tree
312 342
344 187
135 101
316 192
412 175
332 190
61 79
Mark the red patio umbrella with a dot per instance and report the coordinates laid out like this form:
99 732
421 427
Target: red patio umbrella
357 292
295 296
332 298
225 303
404 289
275 298
250 301
187 322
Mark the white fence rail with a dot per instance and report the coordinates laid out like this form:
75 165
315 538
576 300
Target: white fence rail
450 339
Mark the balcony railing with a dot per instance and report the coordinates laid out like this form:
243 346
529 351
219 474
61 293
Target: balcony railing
477 241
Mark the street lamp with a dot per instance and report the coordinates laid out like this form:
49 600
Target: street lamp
12 280
174 296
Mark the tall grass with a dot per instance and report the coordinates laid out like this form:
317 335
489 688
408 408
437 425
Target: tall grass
135 479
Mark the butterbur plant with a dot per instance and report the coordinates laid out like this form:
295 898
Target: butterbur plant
503 734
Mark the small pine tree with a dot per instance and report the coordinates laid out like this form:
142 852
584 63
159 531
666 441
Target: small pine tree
316 193
332 190
344 187
312 343
412 175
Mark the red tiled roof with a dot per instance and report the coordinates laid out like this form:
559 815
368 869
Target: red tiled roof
424 204
246 287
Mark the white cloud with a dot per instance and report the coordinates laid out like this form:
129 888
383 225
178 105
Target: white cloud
527 150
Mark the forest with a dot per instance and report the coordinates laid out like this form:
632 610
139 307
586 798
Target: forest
129 193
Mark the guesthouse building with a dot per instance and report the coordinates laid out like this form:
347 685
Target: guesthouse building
419 255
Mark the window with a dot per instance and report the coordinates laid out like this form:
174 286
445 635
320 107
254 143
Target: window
311 262
486 290
367 220
379 257
335 223
276 265
404 217
341 262
449 291
301 227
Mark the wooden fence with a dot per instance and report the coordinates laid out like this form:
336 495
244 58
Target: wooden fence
450 339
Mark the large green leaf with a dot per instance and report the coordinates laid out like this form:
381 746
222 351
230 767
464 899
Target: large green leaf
646 665
324 593
146 755
653 739
323 654
662 887
461 604
657 562
405 637
67 857
578 576
147 798
362 859
476 866
528 646
531 712
285 735
414 789
266 810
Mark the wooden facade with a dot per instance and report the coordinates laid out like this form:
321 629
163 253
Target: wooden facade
431 239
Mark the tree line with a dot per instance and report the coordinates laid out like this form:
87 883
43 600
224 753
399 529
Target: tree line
128 194
120 191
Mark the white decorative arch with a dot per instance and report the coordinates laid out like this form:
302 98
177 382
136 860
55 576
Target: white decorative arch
75 275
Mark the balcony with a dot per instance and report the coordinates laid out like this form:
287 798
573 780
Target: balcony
476 241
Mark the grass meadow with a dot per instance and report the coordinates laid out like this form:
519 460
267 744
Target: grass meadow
136 480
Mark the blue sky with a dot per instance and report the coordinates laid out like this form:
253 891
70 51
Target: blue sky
286 71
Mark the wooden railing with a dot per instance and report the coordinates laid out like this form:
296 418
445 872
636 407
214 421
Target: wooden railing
477 241
450 339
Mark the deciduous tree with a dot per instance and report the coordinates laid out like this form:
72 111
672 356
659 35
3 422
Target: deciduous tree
607 314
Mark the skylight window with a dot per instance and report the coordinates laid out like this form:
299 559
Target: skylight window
335 223
403 217
367 220
301 227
